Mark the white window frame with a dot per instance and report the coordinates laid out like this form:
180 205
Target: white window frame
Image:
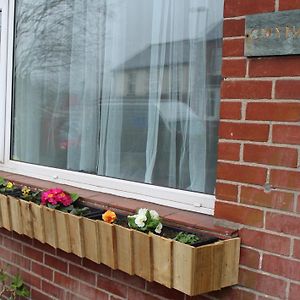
192 201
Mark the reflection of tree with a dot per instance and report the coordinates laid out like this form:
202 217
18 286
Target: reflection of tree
45 31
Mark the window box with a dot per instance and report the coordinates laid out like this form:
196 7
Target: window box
191 270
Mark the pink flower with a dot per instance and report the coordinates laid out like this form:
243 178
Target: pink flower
55 197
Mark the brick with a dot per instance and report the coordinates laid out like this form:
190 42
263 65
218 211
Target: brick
262 283
166 293
294 291
265 241
51 289
70 296
111 286
285 179
233 48
286 134
274 67
229 151
66 281
296 250
246 89
69 256
281 266
289 4
5 254
287 89
277 156
273 199
56 263
91 293
283 223
284 112
242 131
98 268
30 279
226 191
240 173
37 295
134 294
129 280
20 261
82 274
230 110
13 245
239 214
42 271
249 258
233 68
234 27
32 253
235 8
233 294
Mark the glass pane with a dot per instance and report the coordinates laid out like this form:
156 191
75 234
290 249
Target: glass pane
121 88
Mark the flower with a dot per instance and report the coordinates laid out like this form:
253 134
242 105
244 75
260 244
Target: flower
154 214
140 220
142 211
25 191
158 228
9 185
109 216
56 197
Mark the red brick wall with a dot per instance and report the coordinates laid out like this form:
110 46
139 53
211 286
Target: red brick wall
259 145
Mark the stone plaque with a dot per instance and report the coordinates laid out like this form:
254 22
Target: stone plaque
275 33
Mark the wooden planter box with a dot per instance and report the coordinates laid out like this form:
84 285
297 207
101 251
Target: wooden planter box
191 270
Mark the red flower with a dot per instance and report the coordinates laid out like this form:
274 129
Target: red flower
55 197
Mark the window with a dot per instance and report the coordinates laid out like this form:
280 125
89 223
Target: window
110 90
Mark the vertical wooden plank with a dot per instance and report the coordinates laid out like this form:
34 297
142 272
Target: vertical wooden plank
107 239
63 234
182 267
5 212
50 226
26 218
142 255
15 214
1 222
230 265
38 222
162 260
124 240
91 240
207 268
76 235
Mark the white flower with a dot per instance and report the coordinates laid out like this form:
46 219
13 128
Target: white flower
140 220
154 214
142 211
158 228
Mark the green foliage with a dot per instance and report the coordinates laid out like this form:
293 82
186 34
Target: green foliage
13 289
186 238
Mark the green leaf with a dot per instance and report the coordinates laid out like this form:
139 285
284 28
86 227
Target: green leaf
74 196
17 282
2 181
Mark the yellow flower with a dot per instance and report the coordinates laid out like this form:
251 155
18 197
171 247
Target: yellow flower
109 216
25 191
9 185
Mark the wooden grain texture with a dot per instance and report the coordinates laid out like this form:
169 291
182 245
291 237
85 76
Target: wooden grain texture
5 212
76 235
107 239
27 220
63 234
230 265
15 214
1 223
91 241
124 241
50 226
38 222
162 260
142 255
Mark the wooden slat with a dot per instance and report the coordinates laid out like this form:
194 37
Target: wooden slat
76 235
38 222
124 240
91 241
107 244
230 265
15 214
63 234
207 268
162 260
142 255
1 223
5 212
27 220
50 226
